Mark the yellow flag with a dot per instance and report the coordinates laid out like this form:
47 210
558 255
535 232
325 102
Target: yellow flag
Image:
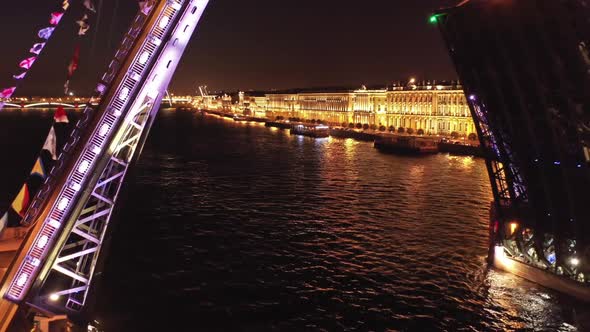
21 202
38 168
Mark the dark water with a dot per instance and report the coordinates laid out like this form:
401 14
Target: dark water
237 227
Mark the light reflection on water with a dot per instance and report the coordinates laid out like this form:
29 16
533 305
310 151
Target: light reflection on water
232 226
260 230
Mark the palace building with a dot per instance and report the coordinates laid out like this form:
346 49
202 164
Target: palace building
432 108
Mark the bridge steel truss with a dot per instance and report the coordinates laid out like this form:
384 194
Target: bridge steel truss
69 216
531 111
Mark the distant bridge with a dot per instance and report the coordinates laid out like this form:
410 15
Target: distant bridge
78 103
46 104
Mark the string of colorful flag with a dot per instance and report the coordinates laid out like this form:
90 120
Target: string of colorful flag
46 159
44 36
84 26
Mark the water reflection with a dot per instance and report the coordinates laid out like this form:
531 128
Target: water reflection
231 226
315 234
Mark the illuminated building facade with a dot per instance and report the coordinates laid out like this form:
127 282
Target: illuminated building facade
434 109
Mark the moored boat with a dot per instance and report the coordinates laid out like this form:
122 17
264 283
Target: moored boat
351 133
461 149
406 144
311 130
278 124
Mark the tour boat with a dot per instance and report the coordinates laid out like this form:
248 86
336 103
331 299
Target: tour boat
311 130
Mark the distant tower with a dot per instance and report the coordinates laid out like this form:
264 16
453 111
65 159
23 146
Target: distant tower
241 98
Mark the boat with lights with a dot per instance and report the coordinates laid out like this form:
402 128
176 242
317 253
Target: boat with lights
311 130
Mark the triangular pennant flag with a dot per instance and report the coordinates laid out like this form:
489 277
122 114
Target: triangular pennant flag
38 168
21 202
37 48
55 18
7 93
60 115
20 76
74 62
3 222
46 33
89 5
145 7
84 26
50 143
27 63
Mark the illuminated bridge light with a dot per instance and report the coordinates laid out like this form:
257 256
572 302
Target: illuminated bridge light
76 186
164 22
144 57
54 223
574 261
104 129
83 166
35 262
124 93
96 149
22 280
63 204
513 227
42 242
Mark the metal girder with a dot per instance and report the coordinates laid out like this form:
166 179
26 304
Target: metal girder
55 269
70 276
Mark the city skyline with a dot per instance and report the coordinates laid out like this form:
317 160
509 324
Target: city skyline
304 45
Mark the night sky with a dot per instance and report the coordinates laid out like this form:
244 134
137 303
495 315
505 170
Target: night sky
260 44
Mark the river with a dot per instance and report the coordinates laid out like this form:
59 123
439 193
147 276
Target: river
228 226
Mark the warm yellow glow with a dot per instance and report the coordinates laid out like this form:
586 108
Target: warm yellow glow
434 108
412 80
575 261
502 261
513 227
54 297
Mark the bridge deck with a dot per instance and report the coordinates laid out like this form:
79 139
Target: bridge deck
9 245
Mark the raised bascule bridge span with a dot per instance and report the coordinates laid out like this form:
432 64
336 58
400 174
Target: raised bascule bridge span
525 68
52 269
